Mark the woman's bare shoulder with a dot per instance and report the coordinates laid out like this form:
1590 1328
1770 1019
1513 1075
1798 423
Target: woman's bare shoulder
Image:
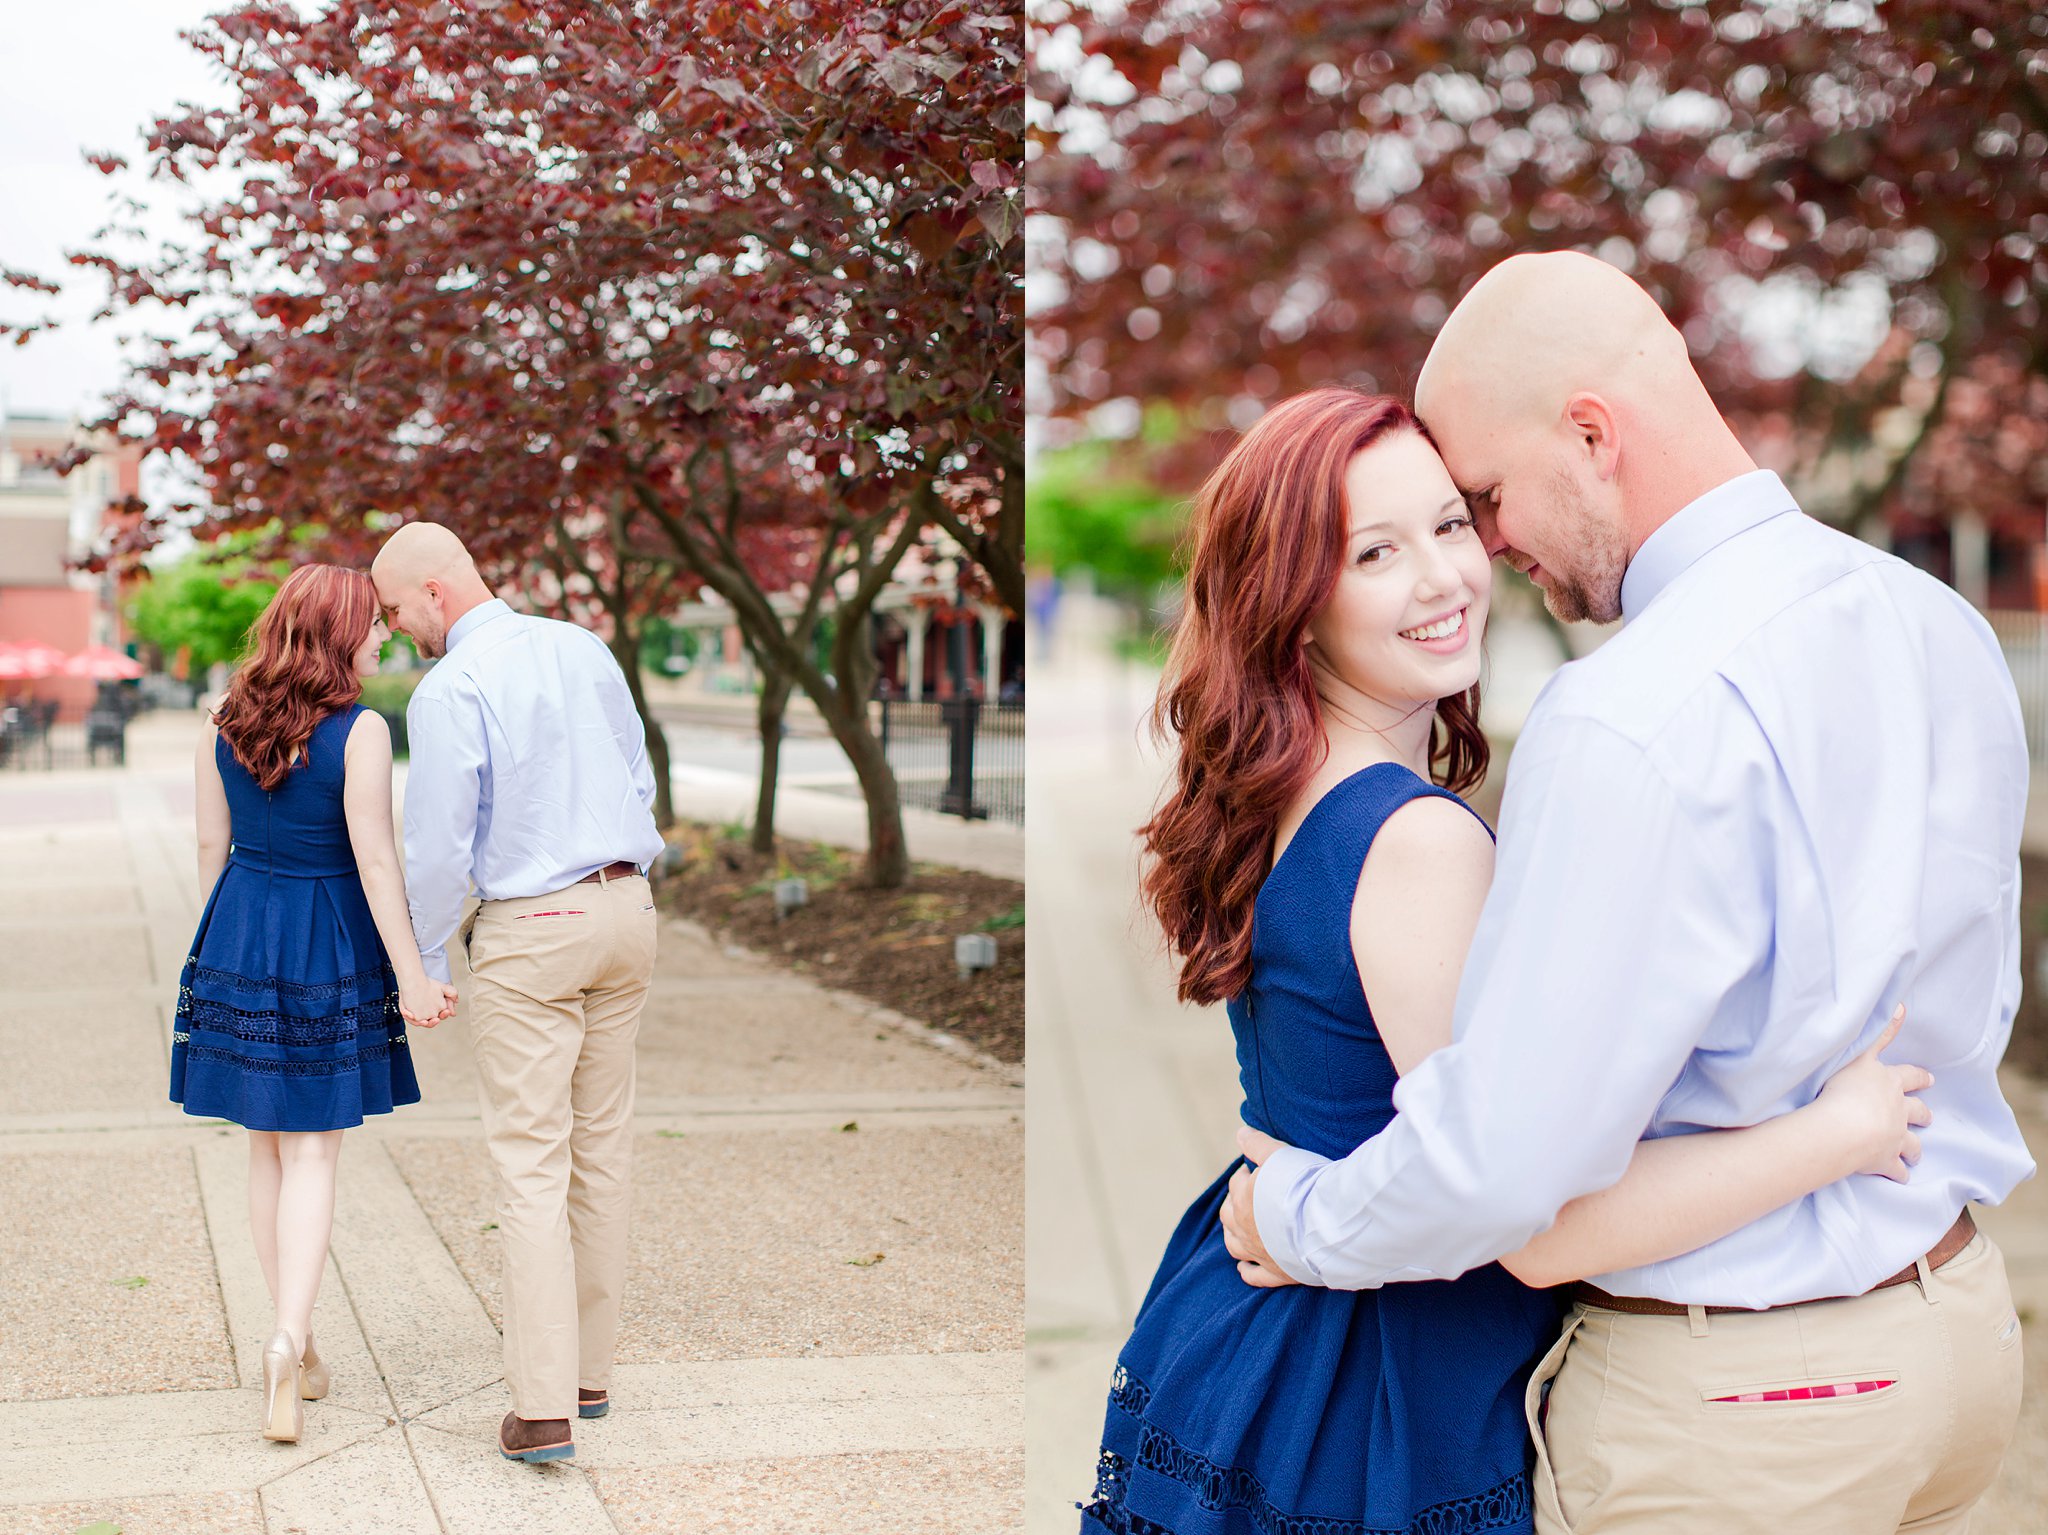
1429 844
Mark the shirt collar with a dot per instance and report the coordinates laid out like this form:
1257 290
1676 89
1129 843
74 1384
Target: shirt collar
1732 507
474 620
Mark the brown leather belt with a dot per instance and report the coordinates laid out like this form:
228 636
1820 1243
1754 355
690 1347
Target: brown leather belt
1953 1241
610 871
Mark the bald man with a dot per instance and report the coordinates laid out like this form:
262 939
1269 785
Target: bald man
1783 798
530 784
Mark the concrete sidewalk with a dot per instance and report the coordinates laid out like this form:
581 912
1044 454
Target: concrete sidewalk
1134 1103
774 1375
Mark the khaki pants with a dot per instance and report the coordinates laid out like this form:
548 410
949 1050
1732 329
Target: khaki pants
559 981
1632 1439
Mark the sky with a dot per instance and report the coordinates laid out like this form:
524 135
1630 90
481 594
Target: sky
82 75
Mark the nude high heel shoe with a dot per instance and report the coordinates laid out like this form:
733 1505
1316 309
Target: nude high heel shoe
284 1414
313 1378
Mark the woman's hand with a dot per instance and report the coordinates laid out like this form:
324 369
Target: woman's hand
424 1001
1870 1106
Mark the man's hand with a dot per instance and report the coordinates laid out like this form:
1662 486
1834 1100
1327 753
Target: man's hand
1255 1266
448 1000
427 1003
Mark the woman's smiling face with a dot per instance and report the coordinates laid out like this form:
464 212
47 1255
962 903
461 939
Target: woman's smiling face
1405 621
371 651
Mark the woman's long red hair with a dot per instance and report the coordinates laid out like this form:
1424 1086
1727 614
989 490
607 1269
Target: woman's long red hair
300 668
1268 540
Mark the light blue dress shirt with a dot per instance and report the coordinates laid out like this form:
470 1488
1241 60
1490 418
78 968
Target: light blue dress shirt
1786 796
529 770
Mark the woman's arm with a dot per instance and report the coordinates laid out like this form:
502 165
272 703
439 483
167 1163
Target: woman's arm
1683 1191
366 802
210 808
1419 896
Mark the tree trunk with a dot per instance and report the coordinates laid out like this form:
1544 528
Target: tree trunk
844 708
853 669
841 697
626 649
888 866
775 686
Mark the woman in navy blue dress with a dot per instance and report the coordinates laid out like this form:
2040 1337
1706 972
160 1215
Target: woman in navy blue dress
1313 867
304 972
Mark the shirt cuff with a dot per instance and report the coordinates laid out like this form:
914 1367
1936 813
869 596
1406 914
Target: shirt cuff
1277 1194
435 962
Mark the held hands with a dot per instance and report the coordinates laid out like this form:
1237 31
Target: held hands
1255 1266
1870 1105
425 1001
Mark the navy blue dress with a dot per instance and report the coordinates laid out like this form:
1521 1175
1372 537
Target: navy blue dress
1304 1411
288 1009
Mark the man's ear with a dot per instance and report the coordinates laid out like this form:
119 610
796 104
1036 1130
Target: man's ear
432 588
1597 432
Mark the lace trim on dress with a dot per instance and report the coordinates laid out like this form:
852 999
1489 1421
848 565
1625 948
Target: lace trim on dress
268 1027
322 991
1225 1487
374 1025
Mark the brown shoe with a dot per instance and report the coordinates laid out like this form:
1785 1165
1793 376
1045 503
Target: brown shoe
592 1404
534 1440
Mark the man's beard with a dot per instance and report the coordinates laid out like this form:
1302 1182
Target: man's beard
1593 590
1570 602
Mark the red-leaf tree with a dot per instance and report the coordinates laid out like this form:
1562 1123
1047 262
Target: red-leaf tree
1237 200
501 264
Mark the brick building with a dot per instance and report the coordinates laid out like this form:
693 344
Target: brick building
47 521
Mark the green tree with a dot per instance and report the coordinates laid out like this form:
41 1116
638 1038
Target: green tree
202 605
1097 505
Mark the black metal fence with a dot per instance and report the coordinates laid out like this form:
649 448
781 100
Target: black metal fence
960 757
31 740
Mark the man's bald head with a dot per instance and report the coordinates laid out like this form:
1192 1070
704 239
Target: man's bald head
419 550
1559 391
425 582
1537 329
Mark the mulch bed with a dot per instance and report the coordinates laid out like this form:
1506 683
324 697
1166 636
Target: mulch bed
894 947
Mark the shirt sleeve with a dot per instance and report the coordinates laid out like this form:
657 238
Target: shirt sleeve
443 790
1622 914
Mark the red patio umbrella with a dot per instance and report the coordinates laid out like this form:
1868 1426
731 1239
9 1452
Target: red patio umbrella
102 663
29 660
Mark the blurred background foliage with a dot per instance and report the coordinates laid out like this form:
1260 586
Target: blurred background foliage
201 605
1842 205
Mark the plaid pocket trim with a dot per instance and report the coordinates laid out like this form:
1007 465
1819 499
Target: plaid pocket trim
1809 1393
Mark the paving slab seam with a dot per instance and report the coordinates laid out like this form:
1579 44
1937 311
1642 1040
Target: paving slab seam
116 1418
220 1289
169 1121
398 1417
763 1121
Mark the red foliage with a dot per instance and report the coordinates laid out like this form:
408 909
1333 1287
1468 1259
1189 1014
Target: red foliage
738 278
1241 200
509 258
